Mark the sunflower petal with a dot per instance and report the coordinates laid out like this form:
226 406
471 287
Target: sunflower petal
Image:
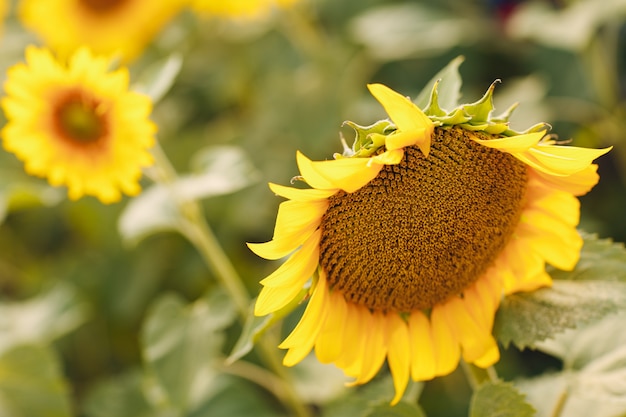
414 127
329 343
299 194
422 355
512 144
399 354
302 338
348 174
446 346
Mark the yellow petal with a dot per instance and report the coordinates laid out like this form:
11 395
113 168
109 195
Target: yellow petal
302 338
491 356
374 348
299 194
348 174
563 204
329 343
389 157
577 184
422 355
399 354
413 125
445 345
299 267
565 160
512 144
561 250
272 299
353 336
296 221
311 175
475 341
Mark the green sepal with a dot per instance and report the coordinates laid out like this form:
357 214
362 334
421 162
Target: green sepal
369 138
480 110
433 109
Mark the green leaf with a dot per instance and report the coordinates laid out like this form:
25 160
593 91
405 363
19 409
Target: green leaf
31 383
399 31
448 89
252 330
594 371
499 399
527 318
234 397
316 382
42 318
600 260
180 343
399 410
219 170
121 396
157 79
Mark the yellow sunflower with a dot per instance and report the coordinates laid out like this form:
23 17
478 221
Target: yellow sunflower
77 124
413 236
121 27
239 8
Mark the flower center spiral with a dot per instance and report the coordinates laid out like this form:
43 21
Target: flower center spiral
79 118
425 229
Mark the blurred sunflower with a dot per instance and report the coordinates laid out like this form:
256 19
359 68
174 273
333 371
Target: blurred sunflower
77 124
413 235
238 8
121 27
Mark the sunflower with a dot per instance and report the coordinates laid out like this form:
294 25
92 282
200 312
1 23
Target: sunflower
412 237
121 27
238 8
77 124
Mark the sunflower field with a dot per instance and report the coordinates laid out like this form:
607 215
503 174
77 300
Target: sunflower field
313 208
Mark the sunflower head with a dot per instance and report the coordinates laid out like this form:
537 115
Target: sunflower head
77 124
412 235
122 27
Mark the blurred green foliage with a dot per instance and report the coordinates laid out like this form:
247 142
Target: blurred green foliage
96 307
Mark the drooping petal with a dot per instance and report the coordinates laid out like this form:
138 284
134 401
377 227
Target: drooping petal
299 267
329 344
421 342
311 175
374 348
512 144
578 184
302 338
298 194
445 345
296 221
399 354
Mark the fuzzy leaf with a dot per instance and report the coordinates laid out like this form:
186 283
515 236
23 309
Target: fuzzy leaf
499 399
180 343
43 318
448 89
527 318
399 410
157 79
31 383
218 170
594 371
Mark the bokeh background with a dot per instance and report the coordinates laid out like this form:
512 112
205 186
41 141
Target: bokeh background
264 88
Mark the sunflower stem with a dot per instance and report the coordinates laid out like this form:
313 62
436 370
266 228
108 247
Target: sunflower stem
477 376
196 229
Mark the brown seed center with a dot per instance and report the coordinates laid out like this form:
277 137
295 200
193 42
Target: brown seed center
102 6
424 229
79 118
